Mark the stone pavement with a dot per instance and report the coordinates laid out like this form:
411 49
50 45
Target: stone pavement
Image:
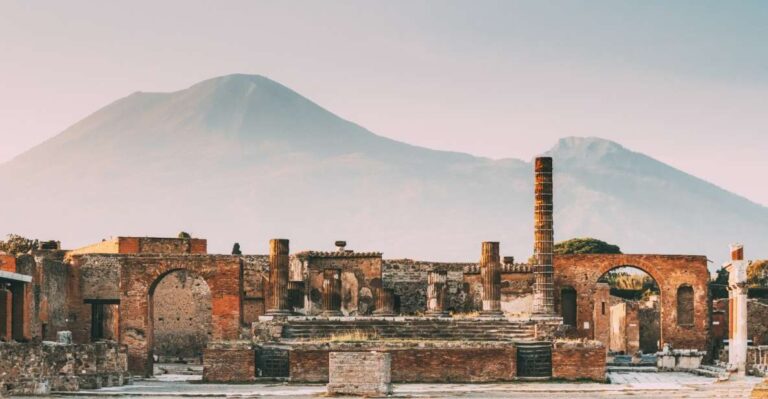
623 385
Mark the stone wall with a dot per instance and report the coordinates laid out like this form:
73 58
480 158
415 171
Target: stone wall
38 369
578 361
255 283
426 362
360 277
182 316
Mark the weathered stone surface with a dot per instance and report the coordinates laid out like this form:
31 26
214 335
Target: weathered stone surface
359 373
38 369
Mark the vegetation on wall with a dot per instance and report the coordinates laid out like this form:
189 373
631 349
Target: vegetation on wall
585 245
16 245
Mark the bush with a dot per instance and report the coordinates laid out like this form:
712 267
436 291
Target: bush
585 246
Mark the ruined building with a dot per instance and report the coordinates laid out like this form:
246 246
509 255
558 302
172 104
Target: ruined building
282 314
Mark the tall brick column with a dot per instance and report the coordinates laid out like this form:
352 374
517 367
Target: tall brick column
384 302
544 237
278 277
737 306
436 287
332 292
490 274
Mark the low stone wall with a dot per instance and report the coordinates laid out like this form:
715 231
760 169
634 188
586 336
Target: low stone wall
459 362
679 359
578 361
228 362
39 368
359 373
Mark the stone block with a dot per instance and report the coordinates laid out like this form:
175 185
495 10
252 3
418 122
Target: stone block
359 373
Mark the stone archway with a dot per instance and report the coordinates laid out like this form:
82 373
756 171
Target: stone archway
583 271
140 274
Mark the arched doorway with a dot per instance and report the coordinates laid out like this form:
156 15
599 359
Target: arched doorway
627 311
181 319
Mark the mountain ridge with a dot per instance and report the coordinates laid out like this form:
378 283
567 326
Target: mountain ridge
243 158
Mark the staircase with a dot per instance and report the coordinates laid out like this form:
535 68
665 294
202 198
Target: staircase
418 329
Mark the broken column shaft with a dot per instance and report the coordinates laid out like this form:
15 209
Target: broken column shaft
543 290
737 304
278 277
436 287
332 292
490 274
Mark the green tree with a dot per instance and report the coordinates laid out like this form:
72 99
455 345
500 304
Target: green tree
184 235
757 273
585 246
17 245
236 249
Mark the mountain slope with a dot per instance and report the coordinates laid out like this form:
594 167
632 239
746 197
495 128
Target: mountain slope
243 158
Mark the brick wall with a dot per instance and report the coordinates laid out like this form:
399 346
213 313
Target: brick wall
419 364
359 373
670 272
578 361
182 316
229 363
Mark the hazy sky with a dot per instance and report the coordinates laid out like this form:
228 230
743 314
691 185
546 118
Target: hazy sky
685 81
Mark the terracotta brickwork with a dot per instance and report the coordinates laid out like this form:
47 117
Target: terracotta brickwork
420 364
578 361
139 276
229 364
670 272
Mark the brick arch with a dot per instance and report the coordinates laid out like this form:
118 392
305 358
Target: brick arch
139 275
670 271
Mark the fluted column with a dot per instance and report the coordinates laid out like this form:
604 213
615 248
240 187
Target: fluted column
490 274
278 277
332 292
737 303
436 289
384 302
543 289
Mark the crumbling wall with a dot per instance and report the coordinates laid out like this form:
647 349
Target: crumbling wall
93 278
578 361
255 286
182 316
37 369
360 277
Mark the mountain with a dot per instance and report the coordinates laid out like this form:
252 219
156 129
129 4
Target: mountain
241 158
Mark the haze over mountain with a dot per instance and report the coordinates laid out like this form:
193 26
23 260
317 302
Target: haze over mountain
241 158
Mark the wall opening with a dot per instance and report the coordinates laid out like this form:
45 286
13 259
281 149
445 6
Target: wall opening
181 317
568 306
105 323
627 316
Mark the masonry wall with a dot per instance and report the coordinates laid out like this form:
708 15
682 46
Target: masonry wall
360 276
420 364
255 283
182 316
670 272
578 361
227 363
37 369
91 278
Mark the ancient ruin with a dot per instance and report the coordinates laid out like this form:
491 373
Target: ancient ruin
353 319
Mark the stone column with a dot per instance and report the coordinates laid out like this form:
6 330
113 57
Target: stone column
490 274
384 302
436 288
332 292
737 306
278 278
543 289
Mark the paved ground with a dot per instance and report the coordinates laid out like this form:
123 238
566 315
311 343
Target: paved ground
623 385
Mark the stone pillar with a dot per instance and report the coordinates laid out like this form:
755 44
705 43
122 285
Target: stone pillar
737 306
332 292
543 289
490 273
6 314
278 278
384 302
436 289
